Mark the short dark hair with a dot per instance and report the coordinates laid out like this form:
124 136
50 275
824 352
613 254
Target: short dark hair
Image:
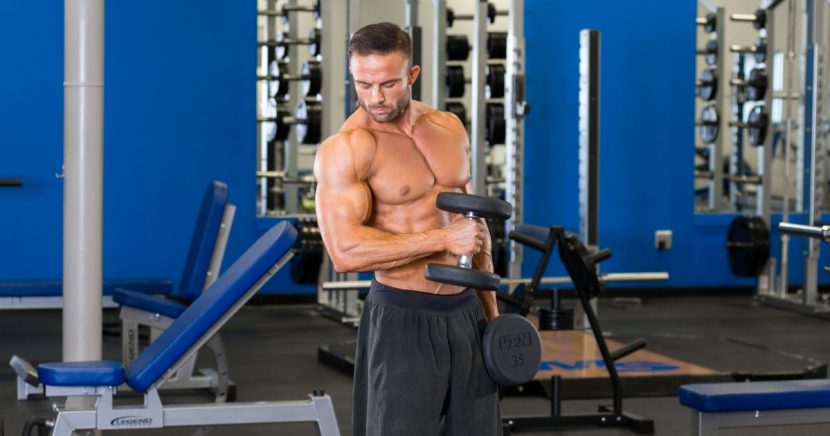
380 38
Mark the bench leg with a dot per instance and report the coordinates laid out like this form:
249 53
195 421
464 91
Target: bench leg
704 424
129 341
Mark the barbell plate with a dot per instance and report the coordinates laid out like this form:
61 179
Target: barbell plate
277 88
468 278
480 206
458 109
711 23
712 52
512 349
760 50
314 47
756 85
309 131
709 130
760 19
758 123
748 246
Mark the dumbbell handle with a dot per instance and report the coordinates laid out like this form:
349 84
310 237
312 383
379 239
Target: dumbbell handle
466 260
822 232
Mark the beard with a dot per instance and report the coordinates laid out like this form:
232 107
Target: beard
395 110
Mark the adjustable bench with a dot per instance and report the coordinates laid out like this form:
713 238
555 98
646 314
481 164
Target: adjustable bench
755 404
204 259
181 340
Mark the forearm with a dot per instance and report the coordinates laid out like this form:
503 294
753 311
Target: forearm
364 248
483 261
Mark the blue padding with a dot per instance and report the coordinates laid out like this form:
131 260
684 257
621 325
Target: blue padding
149 303
203 242
209 308
772 395
96 373
54 288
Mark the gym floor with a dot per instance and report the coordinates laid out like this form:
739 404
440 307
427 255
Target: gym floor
272 352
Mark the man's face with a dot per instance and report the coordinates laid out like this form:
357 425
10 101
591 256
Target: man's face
383 84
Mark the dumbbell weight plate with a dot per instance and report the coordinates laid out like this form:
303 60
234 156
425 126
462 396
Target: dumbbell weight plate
709 131
756 85
482 207
455 275
495 81
496 126
760 50
314 47
708 84
310 131
711 52
455 82
458 109
458 47
313 84
711 23
758 121
512 349
277 88
497 45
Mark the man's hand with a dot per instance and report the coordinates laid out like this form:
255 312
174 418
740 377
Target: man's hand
465 236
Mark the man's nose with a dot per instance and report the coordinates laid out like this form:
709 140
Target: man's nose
377 95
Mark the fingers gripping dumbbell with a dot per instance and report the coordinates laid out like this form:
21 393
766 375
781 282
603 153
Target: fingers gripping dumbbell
311 79
307 119
284 41
511 346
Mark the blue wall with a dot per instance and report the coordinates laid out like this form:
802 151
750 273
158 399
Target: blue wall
179 111
646 136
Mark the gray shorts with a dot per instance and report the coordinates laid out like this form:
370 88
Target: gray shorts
419 369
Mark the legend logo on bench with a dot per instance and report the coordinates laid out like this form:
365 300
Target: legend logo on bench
131 421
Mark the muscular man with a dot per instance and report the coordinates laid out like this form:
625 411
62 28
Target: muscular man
419 369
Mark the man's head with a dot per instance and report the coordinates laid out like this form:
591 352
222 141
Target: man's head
380 60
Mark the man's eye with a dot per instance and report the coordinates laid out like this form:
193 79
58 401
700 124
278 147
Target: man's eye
389 85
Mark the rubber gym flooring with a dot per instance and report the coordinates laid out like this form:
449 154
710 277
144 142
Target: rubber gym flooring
273 356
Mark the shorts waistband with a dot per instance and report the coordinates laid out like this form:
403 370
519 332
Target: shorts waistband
388 295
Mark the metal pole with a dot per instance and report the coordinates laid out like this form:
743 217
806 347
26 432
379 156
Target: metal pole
514 110
439 54
478 163
788 114
83 178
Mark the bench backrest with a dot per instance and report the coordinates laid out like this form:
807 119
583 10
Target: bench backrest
213 307
205 234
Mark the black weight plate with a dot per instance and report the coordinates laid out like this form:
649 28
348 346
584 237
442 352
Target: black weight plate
712 52
748 246
495 125
580 264
497 45
758 122
468 278
708 85
277 88
760 50
760 19
711 23
314 38
458 109
312 81
709 127
455 83
482 207
281 49
495 81
450 17
512 350
491 12
309 116
756 86
458 48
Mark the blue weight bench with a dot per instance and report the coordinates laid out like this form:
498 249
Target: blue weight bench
182 339
756 404
204 259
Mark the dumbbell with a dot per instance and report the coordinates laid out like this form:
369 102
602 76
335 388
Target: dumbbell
458 47
310 78
511 346
709 22
755 125
759 50
758 19
755 87
709 124
492 12
707 86
710 52
456 82
314 8
283 41
307 119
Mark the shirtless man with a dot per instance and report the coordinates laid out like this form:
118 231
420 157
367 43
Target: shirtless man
419 369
